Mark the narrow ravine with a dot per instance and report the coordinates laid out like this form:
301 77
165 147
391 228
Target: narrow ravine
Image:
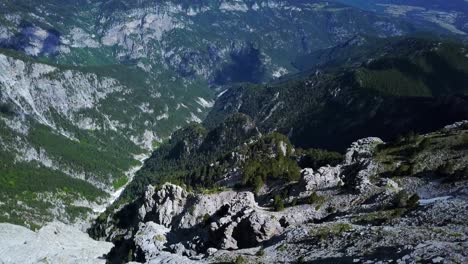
100 208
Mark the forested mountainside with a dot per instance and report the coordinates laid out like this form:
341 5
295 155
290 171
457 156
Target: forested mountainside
409 84
88 85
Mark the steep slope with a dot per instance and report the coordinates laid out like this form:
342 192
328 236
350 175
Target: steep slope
54 153
64 245
87 85
385 202
66 125
408 84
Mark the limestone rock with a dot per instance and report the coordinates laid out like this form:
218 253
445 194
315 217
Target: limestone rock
163 205
358 166
324 177
54 243
361 149
150 238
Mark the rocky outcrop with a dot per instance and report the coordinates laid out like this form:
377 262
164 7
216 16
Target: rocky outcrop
354 173
324 177
360 150
163 205
359 165
151 238
456 125
345 213
37 89
199 225
226 220
241 224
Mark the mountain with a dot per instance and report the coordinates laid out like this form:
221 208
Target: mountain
384 90
86 86
233 131
450 15
229 173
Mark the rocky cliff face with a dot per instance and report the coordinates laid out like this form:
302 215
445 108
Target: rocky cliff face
38 89
360 210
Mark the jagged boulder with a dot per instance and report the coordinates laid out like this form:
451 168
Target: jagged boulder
243 229
150 239
456 125
355 171
226 220
324 177
361 149
359 166
163 205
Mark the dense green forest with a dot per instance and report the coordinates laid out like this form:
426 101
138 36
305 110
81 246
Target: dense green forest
407 84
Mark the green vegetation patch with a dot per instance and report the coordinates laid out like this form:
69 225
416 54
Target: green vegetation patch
264 166
316 200
379 217
120 182
323 232
21 183
88 153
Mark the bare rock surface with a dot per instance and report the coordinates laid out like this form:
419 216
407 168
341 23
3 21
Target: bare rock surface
54 243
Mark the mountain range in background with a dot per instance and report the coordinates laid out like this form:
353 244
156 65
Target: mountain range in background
101 99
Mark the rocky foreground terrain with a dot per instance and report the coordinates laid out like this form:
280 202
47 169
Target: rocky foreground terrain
247 107
400 202
371 208
54 243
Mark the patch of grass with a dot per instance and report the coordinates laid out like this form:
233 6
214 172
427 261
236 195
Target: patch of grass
17 178
317 200
76 212
213 190
206 218
191 209
403 200
159 238
282 248
120 182
391 82
278 203
240 260
324 232
463 141
378 218
89 154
